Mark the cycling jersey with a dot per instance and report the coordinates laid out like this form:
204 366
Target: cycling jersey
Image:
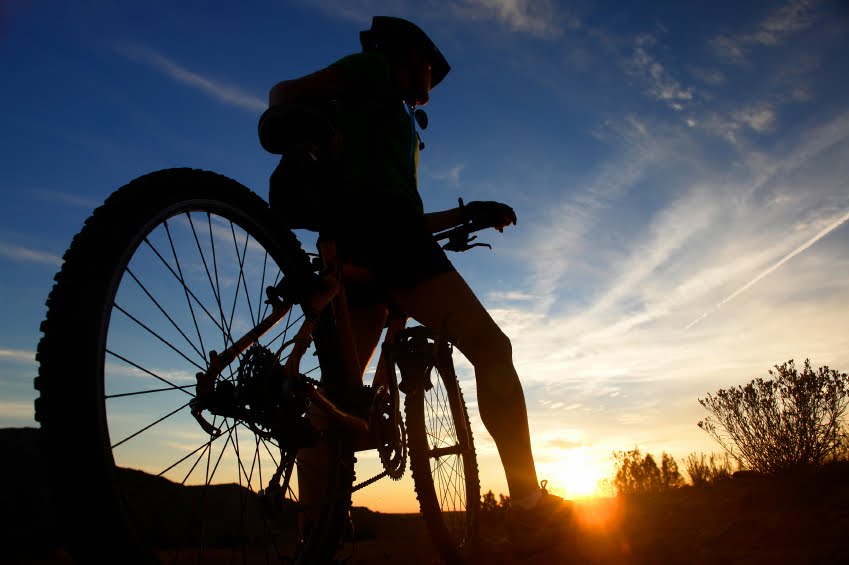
380 145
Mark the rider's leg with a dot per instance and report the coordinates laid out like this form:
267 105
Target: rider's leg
367 321
445 303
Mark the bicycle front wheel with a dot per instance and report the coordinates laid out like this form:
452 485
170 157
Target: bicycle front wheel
442 457
173 266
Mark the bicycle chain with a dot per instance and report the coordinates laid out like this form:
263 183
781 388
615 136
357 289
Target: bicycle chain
370 481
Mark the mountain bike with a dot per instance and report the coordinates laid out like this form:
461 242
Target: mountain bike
194 355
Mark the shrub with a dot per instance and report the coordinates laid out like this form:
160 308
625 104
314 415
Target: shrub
707 471
670 477
489 504
794 419
638 474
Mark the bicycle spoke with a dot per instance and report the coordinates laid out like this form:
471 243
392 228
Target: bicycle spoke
258 460
157 336
185 287
137 393
203 261
236 288
144 429
154 375
206 447
214 286
164 313
242 259
192 294
241 467
209 477
203 446
242 494
288 327
225 333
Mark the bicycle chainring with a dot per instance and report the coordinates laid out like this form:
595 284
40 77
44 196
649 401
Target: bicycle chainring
388 426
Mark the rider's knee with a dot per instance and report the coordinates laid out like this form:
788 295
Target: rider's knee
501 344
488 348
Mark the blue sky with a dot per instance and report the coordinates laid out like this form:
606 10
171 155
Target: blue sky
679 171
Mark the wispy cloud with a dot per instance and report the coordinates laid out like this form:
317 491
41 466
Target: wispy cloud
672 229
561 239
451 175
16 413
16 252
360 11
760 118
538 17
775 29
17 355
511 296
224 93
58 197
661 84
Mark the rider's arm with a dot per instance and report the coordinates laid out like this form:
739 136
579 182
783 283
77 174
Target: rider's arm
444 220
325 84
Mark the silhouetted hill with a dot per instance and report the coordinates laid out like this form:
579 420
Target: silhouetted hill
28 531
26 522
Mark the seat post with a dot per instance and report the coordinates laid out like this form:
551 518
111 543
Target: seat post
347 346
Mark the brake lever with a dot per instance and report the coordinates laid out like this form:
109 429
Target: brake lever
460 242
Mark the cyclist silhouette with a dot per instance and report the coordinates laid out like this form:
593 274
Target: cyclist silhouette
380 224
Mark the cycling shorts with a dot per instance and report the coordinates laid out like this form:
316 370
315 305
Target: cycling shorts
391 240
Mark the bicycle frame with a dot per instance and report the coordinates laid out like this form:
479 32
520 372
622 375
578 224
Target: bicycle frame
327 289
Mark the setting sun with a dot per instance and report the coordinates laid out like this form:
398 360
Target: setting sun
575 475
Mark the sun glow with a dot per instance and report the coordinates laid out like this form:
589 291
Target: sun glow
576 474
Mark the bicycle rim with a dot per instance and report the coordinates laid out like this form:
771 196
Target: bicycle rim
172 267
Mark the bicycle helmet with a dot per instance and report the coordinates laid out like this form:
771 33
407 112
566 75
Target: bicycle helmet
390 34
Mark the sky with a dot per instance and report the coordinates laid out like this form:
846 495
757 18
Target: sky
679 172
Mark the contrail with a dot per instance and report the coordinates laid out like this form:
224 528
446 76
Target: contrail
223 93
833 226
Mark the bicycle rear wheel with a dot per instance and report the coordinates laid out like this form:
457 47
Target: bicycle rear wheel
173 266
442 453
